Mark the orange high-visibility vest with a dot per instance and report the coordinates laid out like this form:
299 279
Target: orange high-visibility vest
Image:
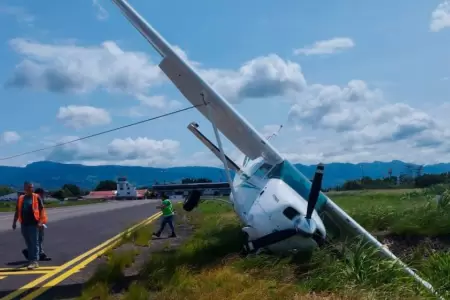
35 206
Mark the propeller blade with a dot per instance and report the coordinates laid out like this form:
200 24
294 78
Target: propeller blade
273 238
315 190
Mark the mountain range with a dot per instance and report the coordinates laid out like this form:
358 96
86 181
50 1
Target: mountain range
52 175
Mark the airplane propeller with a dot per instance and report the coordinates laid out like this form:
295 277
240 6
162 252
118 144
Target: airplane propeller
315 190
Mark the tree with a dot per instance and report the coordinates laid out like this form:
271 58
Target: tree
5 190
106 185
59 194
73 189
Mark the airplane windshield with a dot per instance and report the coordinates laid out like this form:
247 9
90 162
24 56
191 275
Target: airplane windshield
296 180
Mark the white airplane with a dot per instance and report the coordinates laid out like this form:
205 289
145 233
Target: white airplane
281 208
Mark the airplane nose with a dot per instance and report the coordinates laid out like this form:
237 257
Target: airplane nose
306 227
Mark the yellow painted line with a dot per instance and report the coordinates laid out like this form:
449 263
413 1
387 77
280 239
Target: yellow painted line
41 279
30 272
2 277
46 268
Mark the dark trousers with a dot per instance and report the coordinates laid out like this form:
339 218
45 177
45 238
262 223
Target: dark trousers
30 234
166 220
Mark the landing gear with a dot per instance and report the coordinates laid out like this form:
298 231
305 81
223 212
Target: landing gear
192 200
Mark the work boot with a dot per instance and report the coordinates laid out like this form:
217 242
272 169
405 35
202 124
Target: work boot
33 265
157 234
173 235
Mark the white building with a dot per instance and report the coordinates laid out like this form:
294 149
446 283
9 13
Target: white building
125 190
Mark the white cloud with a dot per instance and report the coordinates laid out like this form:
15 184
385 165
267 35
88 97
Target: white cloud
440 17
83 116
356 121
326 46
141 151
159 102
10 137
77 69
262 77
101 13
19 13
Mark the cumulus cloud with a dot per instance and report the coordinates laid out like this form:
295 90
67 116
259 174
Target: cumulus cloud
440 17
262 77
10 137
141 151
363 114
356 121
83 116
326 46
76 69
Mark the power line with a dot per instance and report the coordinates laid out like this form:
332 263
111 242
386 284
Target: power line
103 132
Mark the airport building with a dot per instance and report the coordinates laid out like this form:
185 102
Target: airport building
124 191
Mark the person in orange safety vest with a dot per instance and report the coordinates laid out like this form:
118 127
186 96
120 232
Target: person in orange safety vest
30 213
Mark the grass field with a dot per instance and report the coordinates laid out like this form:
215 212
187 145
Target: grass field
208 265
10 206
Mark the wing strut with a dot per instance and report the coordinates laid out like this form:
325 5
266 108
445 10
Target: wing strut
219 144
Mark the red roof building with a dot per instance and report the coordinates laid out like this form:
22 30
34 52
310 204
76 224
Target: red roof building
109 195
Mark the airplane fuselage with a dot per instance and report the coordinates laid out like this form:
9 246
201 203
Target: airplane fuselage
266 203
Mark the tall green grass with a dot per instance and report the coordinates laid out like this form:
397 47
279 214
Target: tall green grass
209 266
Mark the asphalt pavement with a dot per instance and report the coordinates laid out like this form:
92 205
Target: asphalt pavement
62 213
71 231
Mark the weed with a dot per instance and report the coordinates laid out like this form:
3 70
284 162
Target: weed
112 270
208 266
136 291
98 291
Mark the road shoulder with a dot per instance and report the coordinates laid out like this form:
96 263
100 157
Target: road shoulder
118 268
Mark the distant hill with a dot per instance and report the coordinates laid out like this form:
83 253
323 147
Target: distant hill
52 175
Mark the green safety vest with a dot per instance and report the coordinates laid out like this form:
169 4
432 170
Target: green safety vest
168 210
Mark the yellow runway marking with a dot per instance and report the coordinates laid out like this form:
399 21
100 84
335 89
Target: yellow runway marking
68 264
46 268
26 272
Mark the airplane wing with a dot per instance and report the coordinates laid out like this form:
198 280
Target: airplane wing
228 121
341 227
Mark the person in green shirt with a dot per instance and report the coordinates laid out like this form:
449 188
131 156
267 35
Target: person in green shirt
167 216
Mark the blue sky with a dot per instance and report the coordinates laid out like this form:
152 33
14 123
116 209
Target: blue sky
349 82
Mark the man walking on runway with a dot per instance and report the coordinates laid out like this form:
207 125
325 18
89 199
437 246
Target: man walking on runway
30 213
42 255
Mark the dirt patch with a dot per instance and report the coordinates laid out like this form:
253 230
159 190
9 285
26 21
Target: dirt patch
155 245
406 245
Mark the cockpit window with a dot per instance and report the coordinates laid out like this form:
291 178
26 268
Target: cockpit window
296 180
290 212
260 170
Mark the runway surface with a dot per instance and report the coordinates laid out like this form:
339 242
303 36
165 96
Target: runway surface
71 231
61 213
